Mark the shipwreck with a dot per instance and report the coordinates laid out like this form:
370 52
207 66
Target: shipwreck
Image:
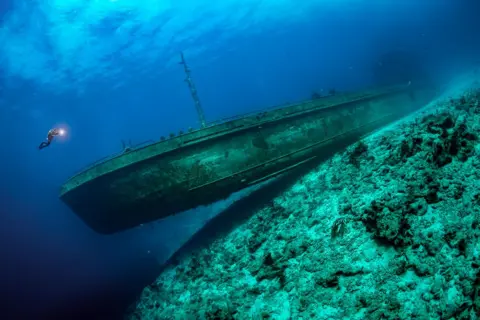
201 166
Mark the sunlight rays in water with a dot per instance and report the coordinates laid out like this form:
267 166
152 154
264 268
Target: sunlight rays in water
67 42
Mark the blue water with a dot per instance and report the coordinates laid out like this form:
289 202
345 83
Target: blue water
107 71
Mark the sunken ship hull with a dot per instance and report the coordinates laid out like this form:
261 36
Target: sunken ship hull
206 165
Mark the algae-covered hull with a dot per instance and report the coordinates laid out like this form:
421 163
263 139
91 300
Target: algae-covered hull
206 165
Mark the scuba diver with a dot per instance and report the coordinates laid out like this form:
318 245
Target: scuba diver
51 134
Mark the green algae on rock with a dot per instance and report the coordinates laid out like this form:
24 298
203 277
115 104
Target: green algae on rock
408 249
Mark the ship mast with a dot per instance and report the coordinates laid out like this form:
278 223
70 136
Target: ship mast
193 92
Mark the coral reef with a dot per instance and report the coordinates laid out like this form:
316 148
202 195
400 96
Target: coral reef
386 230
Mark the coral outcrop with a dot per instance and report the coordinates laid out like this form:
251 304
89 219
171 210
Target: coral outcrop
388 229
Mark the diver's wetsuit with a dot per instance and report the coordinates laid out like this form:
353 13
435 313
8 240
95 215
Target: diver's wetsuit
52 133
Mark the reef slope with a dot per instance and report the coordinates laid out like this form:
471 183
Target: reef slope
387 229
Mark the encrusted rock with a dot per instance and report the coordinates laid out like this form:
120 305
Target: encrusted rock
394 239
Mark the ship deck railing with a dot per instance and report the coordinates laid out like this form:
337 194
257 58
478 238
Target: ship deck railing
208 125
